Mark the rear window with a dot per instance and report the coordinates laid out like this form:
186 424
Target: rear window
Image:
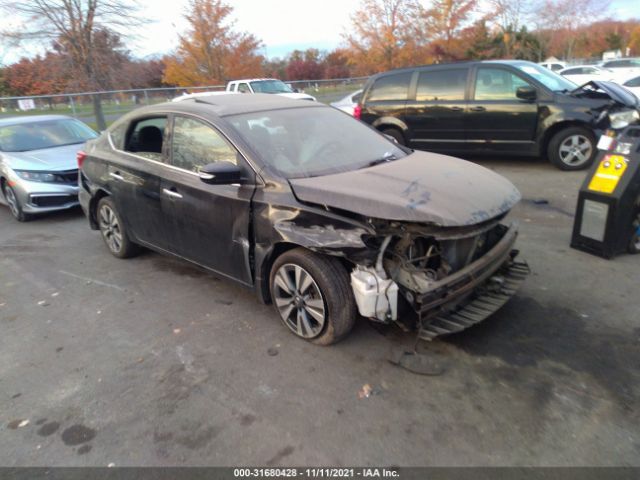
391 87
442 85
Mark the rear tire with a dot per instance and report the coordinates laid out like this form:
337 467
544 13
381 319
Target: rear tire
312 295
113 231
396 134
573 148
14 204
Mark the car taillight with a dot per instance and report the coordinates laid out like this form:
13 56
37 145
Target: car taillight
357 112
80 156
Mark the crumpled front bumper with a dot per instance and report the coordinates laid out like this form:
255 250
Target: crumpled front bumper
473 293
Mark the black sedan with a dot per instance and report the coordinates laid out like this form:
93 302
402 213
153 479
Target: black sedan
319 213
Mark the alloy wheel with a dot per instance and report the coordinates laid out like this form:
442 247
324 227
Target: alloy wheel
299 301
10 196
575 150
110 228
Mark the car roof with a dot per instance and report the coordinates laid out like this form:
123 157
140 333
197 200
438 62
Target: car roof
252 80
581 66
223 105
31 119
454 64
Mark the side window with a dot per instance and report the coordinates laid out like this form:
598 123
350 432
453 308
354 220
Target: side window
244 88
195 144
572 71
443 85
634 82
391 87
146 137
117 135
497 84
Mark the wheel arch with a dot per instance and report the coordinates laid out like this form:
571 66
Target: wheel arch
558 127
93 206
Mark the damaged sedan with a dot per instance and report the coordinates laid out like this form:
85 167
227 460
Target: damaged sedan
320 214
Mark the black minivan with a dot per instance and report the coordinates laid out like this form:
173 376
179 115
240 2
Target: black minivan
502 106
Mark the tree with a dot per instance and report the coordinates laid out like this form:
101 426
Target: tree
307 65
211 51
40 75
74 25
508 15
383 36
571 15
336 64
443 23
634 41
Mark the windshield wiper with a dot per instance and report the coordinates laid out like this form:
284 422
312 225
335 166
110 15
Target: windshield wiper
387 157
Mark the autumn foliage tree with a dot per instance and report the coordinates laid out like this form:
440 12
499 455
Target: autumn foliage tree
382 36
442 24
211 51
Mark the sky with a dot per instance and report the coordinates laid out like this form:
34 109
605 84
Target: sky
282 25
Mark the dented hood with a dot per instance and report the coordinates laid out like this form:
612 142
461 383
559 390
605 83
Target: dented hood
422 187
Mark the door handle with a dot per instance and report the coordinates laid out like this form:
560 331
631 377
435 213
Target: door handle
171 193
116 175
478 109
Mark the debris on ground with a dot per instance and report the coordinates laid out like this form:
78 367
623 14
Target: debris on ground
420 363
55 294
15 424
43 303
541 201
272 351
365 391
176 331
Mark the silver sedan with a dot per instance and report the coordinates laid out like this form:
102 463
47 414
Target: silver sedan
38 166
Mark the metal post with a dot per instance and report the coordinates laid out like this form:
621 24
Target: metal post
73 106
146 97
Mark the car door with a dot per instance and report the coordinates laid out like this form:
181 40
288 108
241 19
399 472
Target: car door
210 223
435 112
385 101
497 120
134 173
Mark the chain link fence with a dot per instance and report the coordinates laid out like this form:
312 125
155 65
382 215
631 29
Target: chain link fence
115 103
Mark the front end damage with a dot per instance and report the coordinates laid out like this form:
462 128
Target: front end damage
450 278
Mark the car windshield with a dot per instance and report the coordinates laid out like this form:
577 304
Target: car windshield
549 79
270 86
309 142
37 135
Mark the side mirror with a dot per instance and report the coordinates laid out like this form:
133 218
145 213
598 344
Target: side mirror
221 173
526 93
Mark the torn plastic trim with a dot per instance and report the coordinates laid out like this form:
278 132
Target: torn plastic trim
321 237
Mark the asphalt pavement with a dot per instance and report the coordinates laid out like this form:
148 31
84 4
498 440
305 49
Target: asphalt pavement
151 361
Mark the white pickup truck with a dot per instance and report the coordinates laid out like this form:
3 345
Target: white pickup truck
266 85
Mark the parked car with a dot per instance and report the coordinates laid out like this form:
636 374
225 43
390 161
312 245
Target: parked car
623 66
633 85
508 106
348 103
266 85
317 212
38 169
581 74
553 66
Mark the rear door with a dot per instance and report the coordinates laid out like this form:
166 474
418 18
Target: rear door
210 223
134 173
497 120
386 100
435 112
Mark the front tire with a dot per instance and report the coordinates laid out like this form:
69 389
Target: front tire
313 296
113 231
573 148
14 204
